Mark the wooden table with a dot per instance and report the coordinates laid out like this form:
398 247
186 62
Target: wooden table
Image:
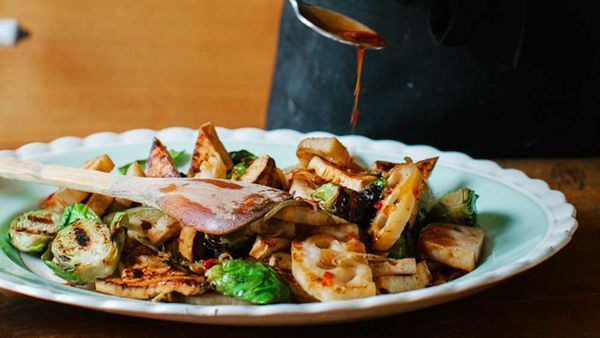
559 298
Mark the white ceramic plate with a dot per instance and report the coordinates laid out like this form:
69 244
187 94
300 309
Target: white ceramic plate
525 223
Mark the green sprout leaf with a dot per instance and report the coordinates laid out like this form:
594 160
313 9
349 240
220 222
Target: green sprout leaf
241 161
75 212
241 156
239 169
248 280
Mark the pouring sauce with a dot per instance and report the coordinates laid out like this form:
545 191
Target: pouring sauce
360 56
365 40
349 30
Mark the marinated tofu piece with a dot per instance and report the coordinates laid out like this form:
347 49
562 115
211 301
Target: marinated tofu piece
458 246
146 274
285 184
302 188
304 214
160 163
265 246
99 203
64 197
141 286
212 167
403 283
303 183
210 158
135 170
390 266
186 243
334 174
425 166
281 261
328 148
262 171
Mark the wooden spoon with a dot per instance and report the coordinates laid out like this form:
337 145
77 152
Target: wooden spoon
209 205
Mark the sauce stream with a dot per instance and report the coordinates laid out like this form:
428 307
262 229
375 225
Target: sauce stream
365 40
351 31
360 56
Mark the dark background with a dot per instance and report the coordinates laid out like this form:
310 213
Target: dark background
491 78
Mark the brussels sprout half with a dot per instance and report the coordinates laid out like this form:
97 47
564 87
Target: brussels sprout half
404 247
457 207
30 232
356 207
137 221
248 280
85 250
146 225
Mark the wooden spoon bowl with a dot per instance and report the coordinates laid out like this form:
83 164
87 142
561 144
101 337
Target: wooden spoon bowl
213 206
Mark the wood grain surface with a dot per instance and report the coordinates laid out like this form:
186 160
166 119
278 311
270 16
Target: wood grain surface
559 298
115 65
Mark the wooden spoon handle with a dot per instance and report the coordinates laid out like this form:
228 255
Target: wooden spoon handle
67 177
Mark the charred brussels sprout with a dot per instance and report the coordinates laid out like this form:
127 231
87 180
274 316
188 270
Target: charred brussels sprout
85 250
404 247
148 226
356 207
248 280
458 207
75 212
30 232
237 243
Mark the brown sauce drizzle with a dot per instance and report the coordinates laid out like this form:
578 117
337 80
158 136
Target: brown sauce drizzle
366 40
349 30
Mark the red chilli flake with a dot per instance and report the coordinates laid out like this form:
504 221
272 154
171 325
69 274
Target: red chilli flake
327 278
209 263
379 205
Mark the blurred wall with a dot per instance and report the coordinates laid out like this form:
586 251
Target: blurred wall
114 65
